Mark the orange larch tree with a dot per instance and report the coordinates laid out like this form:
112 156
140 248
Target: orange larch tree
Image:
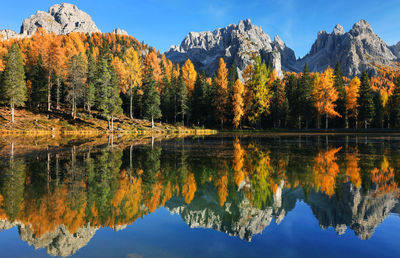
325 95
238 103
189 75
221 98
134 69
351 99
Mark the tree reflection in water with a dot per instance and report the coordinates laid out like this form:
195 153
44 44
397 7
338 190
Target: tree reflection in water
237 186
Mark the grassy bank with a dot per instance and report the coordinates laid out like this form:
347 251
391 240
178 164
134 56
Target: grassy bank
60 122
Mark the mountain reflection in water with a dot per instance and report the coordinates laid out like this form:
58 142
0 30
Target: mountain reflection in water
58 199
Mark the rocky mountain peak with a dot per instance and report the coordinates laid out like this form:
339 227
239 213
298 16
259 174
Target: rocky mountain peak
235 43
120 31
357 50
396 49
245 24
361 26
60 19
279 42
338 30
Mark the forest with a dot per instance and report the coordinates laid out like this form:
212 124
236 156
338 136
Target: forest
108 76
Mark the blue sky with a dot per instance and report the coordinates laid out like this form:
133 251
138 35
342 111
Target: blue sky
162 23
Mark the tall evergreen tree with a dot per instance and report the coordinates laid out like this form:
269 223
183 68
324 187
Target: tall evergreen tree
182 97
14 85
39 84
91 82
339 85
167 100
201 101
365 100
304 101
279 103
107 96
394 102
151 98
76 82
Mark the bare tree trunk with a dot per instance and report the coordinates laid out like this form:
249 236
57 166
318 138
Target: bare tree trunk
58 93
112 124
326 121
49 92
12 113
152 122
131 103
299 122
346 117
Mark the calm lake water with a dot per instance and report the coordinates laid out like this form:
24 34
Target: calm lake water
213 196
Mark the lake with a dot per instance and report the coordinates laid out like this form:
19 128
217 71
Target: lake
226 195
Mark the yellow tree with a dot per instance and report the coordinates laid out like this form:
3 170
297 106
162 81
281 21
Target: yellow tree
238 162
151 60
325 95
221 98
122 73
189 75
238 104
134 69
351 99
325 170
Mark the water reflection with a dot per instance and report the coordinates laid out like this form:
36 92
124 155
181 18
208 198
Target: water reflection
58 199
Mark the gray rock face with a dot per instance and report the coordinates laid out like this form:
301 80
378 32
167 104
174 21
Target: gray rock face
362 213
59 242
235 43
8 34
61 19
357 50
120 32
396 50
235 218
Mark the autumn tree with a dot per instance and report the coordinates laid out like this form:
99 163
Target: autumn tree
260 94
237 101
14 85
189 76
53 61
76 81
351 104
221 94
134 69
325 95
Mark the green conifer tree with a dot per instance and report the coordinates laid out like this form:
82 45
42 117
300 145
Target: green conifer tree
14 85
151 98
365 101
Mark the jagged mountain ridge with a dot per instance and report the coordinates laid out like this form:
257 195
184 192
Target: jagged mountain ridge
356 50
360 212
61 19
236 43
